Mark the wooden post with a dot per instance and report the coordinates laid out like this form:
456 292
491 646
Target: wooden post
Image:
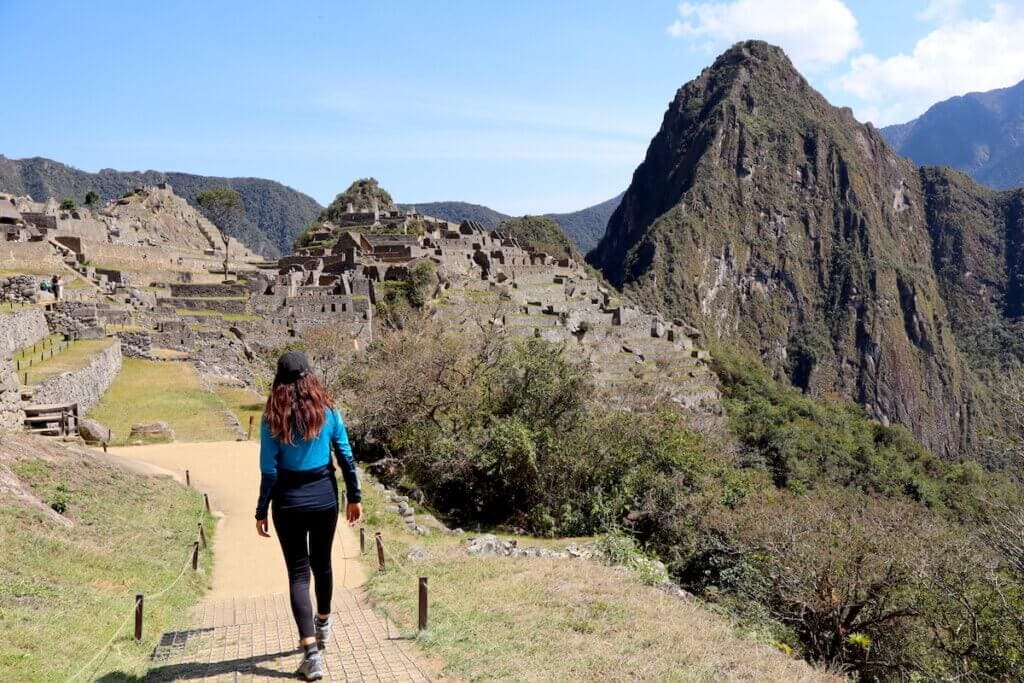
362 540
138 616
104 446
423 604
206 499
380 551
248 436
188 478
202 534
195 556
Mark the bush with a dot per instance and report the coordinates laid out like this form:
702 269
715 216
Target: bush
68 204
836 536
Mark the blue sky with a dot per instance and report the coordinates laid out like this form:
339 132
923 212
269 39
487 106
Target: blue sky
526 106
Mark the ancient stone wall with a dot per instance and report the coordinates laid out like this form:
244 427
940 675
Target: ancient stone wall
207 290
20 329
84 386
198 304
19 288
72 318
136 344
17 330
40 255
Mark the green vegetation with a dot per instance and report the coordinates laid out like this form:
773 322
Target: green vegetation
217 314
522 618
399 299
91 198
244 403
223 207
68 204
152 391
361 194
540 232
839 538
64 591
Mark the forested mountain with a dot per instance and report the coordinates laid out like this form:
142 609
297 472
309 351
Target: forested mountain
773 220
275 213
980 133
584 227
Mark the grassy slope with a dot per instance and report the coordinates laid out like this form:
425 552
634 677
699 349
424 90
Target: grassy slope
64 591
148 391
244 403
541 619
74 356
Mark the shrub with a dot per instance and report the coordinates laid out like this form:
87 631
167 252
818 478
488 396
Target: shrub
68 204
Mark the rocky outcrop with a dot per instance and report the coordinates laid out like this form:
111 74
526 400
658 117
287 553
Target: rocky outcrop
769 218
84 386
151 431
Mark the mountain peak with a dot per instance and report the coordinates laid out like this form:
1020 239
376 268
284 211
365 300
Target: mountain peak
771 219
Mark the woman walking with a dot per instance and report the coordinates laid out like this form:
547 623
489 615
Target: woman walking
299 430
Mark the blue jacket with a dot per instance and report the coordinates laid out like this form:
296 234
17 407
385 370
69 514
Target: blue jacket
300 475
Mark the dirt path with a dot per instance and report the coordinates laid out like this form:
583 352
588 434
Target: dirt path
245 564
243 629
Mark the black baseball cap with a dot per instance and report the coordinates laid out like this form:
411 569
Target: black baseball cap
291 367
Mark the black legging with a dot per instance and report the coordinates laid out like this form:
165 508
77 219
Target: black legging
293 528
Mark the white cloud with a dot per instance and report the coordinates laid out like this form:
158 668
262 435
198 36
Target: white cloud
941 10
958 56
814 33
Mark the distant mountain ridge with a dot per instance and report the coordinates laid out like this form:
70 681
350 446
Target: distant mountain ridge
275 213
980 133
584 227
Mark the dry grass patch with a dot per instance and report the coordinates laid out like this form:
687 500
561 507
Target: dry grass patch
64 590
550 619
150 391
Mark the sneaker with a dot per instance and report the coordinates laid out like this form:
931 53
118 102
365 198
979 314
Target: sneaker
323 632
311 668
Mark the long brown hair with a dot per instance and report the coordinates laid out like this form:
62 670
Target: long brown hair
297 409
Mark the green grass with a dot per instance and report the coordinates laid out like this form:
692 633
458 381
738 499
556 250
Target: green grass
217 314
244 403
13 307
150 391
525 618
67 357
27 270
63 592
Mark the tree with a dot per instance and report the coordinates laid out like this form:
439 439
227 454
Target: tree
223 207
91 198
68 204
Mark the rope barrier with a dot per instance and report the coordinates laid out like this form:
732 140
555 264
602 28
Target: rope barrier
108 643
135 606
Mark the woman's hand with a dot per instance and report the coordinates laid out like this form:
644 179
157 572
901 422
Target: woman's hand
261 527
353 513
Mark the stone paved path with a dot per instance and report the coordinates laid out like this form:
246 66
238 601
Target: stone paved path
243 629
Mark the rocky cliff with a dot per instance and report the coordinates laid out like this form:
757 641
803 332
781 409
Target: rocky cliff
770 218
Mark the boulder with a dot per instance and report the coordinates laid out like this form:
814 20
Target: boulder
152 431
93 432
